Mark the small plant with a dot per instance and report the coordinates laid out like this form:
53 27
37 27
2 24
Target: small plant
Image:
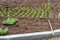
28 10
46 10
34 13
23 11
3 31
2 11
10 21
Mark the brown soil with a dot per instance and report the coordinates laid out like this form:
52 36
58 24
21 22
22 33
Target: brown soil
28 25
55 5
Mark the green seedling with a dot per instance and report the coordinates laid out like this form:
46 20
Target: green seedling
44 11
3 31
13 12
4 11
26 13
38 12
23 8
10 21
9 12
18 12
47 12
42 14
34 13
31 12
21 14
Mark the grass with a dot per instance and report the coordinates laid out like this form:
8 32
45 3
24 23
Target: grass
41 12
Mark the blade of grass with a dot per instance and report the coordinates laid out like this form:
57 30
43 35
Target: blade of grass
38 12
26 12
34 13
21 13
42 14
31 11
4 11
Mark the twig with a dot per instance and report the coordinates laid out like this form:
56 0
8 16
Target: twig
51 26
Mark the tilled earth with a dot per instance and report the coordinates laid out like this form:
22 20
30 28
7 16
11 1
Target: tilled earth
28 25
